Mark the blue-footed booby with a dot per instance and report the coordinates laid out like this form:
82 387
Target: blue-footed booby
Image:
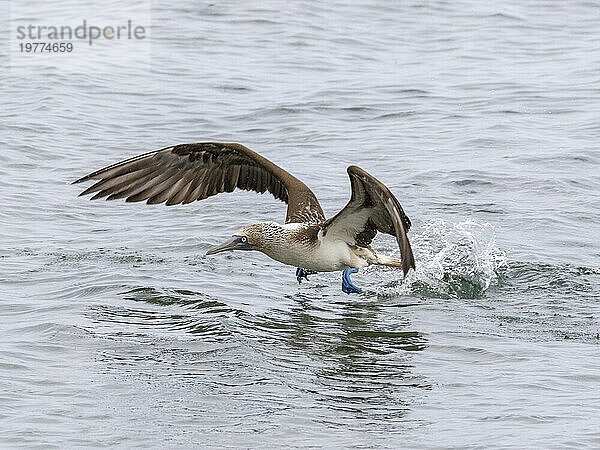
307 240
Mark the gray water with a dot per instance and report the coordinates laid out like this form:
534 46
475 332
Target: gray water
116 330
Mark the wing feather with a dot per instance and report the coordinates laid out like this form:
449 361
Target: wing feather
151 187
188 172
170 191
178 197
133 187
372 208
195 189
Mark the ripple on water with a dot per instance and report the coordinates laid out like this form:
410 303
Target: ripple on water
189 313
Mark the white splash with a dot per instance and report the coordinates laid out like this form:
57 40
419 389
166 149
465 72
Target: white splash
457 260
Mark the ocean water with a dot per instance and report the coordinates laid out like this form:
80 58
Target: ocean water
483 119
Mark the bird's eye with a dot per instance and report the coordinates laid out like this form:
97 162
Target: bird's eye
244 239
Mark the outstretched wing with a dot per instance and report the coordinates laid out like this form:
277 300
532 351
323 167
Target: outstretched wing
372 208
188 172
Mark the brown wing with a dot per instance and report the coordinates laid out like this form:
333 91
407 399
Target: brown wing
188 172
372 208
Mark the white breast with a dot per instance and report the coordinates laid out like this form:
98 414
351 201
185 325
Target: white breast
325 255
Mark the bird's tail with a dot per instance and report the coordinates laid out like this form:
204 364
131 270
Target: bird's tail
383 260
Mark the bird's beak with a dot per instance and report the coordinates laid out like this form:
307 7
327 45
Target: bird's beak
234 243
231 244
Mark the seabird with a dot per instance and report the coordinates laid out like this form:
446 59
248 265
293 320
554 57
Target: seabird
307 240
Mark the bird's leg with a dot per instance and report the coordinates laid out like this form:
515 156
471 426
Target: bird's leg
347 286
302 273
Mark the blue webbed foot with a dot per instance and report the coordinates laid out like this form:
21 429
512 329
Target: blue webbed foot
347 286
302 273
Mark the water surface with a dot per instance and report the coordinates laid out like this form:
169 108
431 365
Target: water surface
482 119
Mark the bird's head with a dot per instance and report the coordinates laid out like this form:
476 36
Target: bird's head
246 238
